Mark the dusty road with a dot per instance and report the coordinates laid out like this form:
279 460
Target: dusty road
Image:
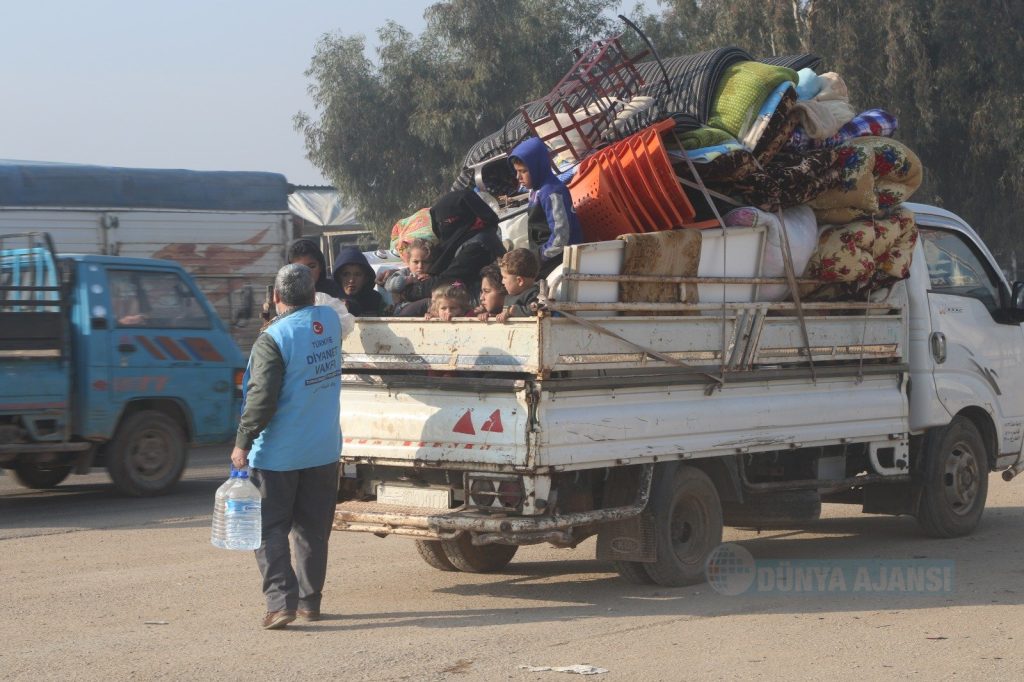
101 587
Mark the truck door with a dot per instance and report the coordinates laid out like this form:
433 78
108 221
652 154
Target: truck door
984 362
165 345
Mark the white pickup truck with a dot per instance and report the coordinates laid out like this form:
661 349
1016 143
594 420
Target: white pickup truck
653 432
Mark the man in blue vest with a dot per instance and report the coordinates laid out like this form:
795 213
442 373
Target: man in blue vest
290 437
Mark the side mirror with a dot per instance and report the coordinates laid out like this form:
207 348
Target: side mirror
1017 297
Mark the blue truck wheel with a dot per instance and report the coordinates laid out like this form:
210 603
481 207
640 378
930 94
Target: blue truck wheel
147 455
31 474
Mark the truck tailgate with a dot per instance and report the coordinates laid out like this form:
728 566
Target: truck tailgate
390 424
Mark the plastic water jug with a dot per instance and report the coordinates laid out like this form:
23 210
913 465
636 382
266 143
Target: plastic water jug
218 529
242 514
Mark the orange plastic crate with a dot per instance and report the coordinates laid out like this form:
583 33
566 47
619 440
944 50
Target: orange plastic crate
657 202
598 205
663 172
642 219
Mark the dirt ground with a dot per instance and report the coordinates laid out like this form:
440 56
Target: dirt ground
102 587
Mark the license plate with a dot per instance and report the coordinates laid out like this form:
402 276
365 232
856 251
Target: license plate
407 496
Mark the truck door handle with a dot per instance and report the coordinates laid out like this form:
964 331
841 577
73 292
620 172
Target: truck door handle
126 348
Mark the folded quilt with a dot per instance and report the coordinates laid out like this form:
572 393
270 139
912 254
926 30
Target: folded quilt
786 181
706 154
753 134
779 129
743 89
823 114
808 84
862 255
802 232
705 136
873 122
876 174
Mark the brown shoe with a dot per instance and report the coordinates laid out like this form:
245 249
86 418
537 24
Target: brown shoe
275 620
308 614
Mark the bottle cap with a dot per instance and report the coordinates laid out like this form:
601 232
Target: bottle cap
242 473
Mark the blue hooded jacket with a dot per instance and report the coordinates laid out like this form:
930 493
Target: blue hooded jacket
553 223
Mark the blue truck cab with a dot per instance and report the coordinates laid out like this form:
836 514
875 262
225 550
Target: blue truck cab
108 361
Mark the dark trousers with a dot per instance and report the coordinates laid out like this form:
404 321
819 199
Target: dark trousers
299 503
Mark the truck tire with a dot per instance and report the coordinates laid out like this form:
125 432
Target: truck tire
633 572
687 527
433 553
782 509
147 455
470 558
954 483
36 476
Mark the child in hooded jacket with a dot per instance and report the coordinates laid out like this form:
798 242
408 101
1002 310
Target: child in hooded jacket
552 220
353 274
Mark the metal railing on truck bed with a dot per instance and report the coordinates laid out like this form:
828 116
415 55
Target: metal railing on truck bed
32 302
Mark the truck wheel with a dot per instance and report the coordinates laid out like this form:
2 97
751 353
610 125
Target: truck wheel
147 455
433 553
687 527
955 480
633 572
40 476
470 558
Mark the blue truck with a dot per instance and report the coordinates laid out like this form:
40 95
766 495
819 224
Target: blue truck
108 361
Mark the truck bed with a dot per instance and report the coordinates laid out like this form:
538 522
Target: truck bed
559 392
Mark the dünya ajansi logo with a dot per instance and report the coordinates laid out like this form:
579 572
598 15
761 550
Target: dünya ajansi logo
318 328
730 569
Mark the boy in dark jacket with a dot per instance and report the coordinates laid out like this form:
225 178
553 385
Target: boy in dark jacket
552 219
519 275
353 274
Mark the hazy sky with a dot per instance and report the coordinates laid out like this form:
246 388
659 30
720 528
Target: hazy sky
205 85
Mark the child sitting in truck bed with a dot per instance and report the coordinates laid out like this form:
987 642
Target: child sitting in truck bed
448 302
409 284
353 274
492 293
519 269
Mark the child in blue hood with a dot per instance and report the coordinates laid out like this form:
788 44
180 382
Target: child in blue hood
552 220
355 277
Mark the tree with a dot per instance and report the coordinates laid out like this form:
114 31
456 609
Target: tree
391 136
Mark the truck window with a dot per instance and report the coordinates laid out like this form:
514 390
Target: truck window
154 300
954 268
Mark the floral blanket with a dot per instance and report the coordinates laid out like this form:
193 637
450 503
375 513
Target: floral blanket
862 256
876 173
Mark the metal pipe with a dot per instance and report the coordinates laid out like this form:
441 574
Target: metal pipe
449 525
528 524
578 277
814 484
657 307
557 537
44 447
1009 474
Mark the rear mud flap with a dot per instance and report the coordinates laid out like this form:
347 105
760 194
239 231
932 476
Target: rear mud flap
627 540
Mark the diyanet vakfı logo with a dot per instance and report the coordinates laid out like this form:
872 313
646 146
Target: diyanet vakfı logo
731 570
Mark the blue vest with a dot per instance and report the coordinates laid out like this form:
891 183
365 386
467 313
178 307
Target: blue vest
305 431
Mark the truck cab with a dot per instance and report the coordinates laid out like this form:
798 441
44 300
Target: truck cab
108 361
